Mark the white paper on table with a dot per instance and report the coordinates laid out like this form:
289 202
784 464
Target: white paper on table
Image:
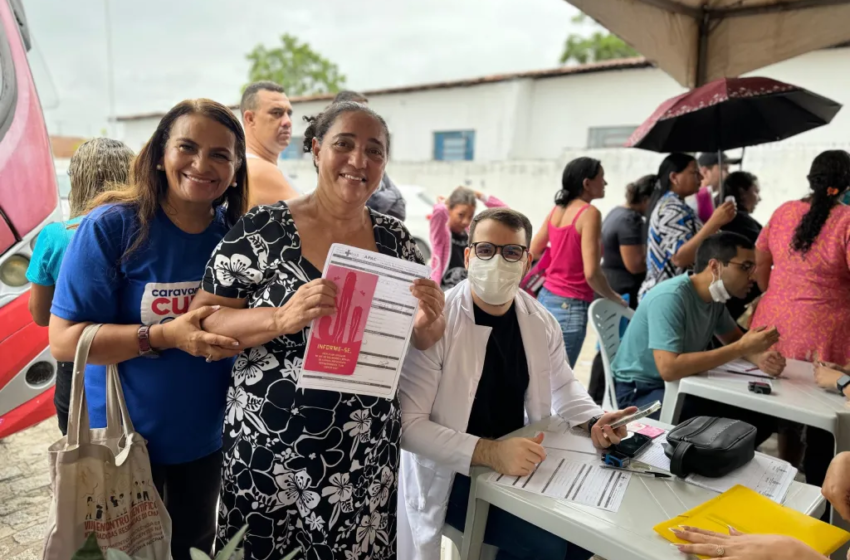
654 455
740 366
768 476
569 441
570 477
388 327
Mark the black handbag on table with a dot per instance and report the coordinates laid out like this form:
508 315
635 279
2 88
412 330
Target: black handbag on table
709 446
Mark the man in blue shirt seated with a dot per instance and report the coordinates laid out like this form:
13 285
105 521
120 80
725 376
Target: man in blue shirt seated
666 339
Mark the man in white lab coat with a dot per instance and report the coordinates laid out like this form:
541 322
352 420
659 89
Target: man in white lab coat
500 364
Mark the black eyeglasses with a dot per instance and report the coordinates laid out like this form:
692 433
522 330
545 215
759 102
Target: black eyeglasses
486 251
745 266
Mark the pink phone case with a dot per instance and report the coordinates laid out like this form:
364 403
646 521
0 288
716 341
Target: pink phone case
649 431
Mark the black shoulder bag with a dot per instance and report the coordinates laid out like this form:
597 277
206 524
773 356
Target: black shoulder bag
709 446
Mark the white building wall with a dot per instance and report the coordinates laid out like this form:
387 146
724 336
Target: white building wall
564 108
530 185
539 119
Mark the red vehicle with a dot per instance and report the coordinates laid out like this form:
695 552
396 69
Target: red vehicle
29 200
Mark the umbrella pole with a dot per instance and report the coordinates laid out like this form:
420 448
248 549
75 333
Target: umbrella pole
722 178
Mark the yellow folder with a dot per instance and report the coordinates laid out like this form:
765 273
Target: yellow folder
750 512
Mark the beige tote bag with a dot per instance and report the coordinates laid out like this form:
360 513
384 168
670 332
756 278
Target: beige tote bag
102 478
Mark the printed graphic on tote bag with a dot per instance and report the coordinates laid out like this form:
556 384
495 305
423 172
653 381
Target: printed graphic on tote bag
336 339
121 513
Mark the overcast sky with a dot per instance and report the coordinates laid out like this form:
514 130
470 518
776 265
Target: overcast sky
168 50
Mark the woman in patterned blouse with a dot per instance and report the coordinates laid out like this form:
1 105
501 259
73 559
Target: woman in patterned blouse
675 232
308 468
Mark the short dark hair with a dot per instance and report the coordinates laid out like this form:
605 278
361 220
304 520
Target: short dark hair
737 183
722 247
572 180
348 95
641 189
505 216
249 96
461 195
319 125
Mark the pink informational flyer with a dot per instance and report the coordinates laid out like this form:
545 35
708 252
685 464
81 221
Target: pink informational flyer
335 340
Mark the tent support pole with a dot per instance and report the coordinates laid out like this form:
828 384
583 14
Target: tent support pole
702 50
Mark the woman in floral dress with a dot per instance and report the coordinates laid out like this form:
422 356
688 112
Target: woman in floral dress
309 468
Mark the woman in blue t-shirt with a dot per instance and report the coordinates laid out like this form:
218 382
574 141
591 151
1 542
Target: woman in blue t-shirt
96 165
134 265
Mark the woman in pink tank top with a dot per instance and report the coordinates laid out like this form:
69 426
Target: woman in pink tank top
572 232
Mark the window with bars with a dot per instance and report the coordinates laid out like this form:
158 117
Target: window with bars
455 145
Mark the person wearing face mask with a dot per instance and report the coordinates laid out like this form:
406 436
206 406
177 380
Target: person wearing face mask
674 231
500 363
667 337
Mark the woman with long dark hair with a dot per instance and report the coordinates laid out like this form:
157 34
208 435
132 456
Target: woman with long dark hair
675 232
133 265
574 228
802 265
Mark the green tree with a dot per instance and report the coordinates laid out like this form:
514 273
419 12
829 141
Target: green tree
295 66
600 45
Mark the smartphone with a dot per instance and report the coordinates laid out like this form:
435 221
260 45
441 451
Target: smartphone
642 412
759 387
633 445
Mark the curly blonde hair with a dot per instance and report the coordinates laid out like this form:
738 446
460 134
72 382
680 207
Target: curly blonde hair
98 165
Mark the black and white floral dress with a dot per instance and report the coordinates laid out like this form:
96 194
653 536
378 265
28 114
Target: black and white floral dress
310 469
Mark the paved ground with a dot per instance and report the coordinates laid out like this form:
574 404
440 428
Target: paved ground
25 491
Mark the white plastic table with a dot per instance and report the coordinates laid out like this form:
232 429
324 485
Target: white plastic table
795 396
624 535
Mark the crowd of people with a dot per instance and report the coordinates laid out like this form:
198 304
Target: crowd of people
203 264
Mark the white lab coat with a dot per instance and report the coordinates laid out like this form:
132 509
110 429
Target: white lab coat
437 389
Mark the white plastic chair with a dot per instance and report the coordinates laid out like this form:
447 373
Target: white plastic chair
456 537
605 316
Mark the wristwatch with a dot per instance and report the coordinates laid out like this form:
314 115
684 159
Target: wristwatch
842 383
592 422
144 338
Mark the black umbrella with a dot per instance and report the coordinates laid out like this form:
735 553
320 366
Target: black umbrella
732 113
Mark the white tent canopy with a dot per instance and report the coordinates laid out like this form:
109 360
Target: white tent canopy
697 41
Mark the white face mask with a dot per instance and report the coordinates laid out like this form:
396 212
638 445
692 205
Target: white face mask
495 281
718 291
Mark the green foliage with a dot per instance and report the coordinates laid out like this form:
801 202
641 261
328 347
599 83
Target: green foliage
295 66
90 550
600 45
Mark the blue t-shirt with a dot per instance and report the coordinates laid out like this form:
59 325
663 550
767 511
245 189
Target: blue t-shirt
49 249
670 317
176 401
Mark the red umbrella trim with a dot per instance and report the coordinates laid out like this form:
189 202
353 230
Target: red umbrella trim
740 92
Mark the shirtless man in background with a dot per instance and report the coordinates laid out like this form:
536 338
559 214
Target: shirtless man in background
267 119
